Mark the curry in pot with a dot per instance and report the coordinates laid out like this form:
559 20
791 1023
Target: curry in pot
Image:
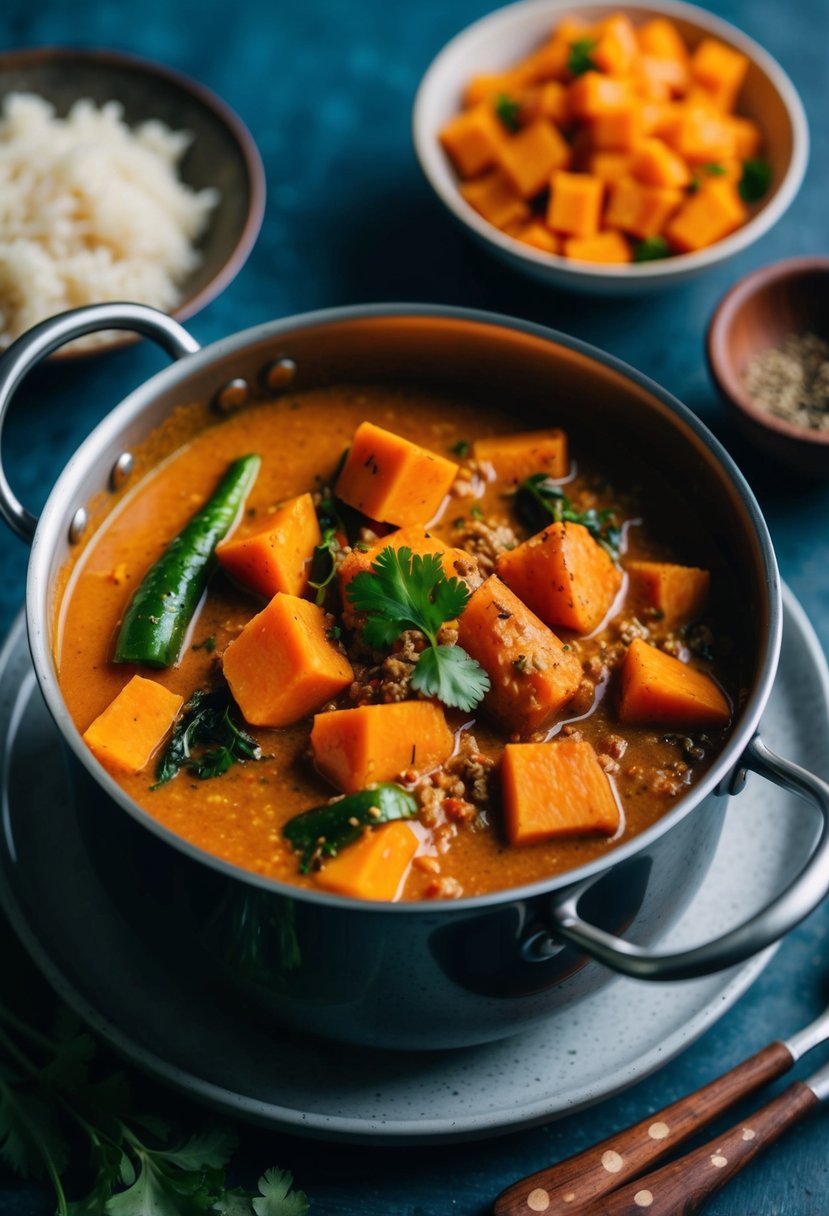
383 643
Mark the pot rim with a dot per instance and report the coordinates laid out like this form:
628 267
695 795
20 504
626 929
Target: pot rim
51 530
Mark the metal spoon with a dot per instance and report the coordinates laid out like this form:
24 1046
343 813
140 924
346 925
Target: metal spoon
578 1181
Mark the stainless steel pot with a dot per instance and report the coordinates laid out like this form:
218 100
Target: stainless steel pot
433 975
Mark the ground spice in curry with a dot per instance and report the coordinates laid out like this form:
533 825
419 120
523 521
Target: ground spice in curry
791 381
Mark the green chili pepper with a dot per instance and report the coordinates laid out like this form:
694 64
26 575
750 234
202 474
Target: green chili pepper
159 613
323 831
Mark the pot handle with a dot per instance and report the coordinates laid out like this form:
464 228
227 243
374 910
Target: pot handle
28 350
789 908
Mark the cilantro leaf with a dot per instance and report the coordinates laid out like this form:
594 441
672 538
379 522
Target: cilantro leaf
411 591
451 675
278 1199
579 60
508 111
755 181
206 726
208 1149
540 502
650 249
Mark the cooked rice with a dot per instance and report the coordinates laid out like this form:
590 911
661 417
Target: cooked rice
91 211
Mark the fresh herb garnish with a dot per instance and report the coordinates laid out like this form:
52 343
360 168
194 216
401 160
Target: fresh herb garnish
323 564
714 169
411 591
325 830
476 512
755 181
334 633
206 741
539 502
579 60
54 1097
651 249
509 113
208 644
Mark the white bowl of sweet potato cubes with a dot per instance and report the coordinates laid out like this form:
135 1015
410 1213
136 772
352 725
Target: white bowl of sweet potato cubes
608 150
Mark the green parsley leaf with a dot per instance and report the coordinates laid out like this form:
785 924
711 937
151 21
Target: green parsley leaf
278 1199
539 502
410 591
461 448
206 727
756 180
325 830
579 60
651 249
509 113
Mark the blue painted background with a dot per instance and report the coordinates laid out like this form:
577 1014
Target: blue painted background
326 87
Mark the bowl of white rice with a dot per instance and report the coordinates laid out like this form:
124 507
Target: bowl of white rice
119 180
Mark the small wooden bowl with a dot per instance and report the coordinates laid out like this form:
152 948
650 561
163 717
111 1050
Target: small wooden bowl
223 153
758 313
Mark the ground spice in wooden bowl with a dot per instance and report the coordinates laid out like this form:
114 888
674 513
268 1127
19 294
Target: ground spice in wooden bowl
791 380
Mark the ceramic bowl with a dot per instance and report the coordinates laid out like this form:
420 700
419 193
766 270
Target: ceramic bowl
505 36
758 313
222 153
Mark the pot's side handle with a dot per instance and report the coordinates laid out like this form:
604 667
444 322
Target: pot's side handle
28 350
789 908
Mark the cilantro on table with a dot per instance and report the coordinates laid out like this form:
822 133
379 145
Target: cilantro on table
206 741
411 591
755 181
55 1098
579 60
650 249
539 502
509 113
325 830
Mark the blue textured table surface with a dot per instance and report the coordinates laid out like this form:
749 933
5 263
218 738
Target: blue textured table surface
326 87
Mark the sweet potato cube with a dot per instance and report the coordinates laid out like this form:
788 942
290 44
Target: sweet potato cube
455 562
528 158
549 62
620 130
659 690
564 576
516 457
707 216
488 86
678 593
539 236
610 248
702 136
554 791
532 675
277 557
660 79
720 70
748 138
593 94
552 101
392 479
640 210
375 866
353 748
660 37
616 47
655 164
282 665
494 198
133 726
472 139
575 205
610 166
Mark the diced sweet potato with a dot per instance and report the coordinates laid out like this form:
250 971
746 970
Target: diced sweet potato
539 236
575 205
473 139
494 198
277 557
552 101
375 866
678 593
610 248
655 164
528 158
455 562
720 70
661 38
659 690
620 130
516 457
638 209
392 479
701 136
616 45
707 216
610 166
593 94
747 136
282 665
133 726
532 675
661 79
563 575
488 86
556 790
353 748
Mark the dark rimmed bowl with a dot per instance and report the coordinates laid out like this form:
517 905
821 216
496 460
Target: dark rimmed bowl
222 154
452 973
758 312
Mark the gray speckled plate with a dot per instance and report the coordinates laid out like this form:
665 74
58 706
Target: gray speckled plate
173 1028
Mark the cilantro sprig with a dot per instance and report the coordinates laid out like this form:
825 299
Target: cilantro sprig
206 741
406 590
755 180
509 112
55 1098
580 59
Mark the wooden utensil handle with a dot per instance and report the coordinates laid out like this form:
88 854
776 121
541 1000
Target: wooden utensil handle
683 1186
604 1167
